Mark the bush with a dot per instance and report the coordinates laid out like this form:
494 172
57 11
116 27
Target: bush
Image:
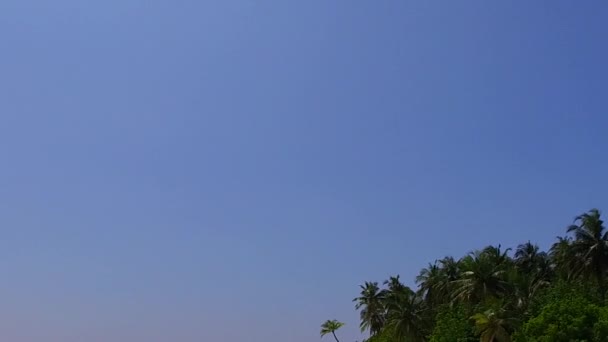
566 316
452 326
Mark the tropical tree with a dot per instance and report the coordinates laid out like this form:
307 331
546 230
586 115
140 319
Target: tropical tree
431 281
330 327
528 257
371 305
386 335
483 276
497 256
544 267
590 247
451 268
563 258
406 317
436 280
566 316
491 327
452 271
533 271
394 288
452 325
523 288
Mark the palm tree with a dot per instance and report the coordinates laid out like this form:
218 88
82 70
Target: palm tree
483 276
491 327
450 267
523 287
590 247
330 327
436 281
497 256
528 256
406 317
452 271
394 286
371 304
432 281
395 291
533 271
544 267
563 258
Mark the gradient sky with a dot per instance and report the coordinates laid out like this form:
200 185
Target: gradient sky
232 170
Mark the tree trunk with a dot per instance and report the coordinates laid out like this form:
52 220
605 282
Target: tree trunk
333 333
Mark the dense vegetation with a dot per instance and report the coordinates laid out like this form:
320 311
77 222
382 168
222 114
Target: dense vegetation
495 294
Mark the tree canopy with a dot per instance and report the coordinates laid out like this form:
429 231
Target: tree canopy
496 294
330 327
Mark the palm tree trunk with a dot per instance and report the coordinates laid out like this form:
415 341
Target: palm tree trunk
333 333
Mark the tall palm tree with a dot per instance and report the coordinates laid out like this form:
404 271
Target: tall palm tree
450 267
483 276
533 271
394 286
394 292
452 271
491 327
590 247
371 304
330 327
528 256
544 267
432 281
497 256
523 287
563 258
436 281
406 317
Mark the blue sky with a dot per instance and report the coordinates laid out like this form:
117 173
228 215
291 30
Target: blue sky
232 170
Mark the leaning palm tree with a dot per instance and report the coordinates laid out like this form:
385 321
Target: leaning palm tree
371 304
330 327
590 247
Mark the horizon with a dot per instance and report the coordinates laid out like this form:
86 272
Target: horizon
234 170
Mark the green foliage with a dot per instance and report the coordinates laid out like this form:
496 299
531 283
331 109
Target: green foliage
566 316
561 290
452 325
589 250
600 328
330 327
386 335
492 326
406 317
483 276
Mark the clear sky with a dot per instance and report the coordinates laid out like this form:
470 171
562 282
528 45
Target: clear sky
232 170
